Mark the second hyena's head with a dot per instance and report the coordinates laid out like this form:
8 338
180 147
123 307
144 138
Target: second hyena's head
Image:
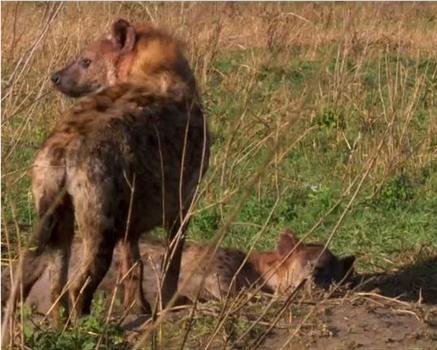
127 54
303 259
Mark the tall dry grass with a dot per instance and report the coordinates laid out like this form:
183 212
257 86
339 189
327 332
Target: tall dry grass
256 125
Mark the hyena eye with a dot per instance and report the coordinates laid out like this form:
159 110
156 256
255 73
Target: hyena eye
85 62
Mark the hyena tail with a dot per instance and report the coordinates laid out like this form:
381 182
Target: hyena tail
54 232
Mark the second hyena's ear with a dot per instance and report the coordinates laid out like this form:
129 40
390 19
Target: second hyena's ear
123 36
287 242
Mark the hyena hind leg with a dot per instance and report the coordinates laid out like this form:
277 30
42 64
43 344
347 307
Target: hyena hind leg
50 245
59 261
98 247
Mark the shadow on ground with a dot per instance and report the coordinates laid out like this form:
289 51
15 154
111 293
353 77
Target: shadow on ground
412 283
368 317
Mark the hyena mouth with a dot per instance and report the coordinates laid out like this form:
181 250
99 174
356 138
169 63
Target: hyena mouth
98 89
80 91
92 89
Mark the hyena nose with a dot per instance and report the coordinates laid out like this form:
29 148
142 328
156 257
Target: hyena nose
56 79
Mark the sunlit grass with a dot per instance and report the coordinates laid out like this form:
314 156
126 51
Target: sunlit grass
315 87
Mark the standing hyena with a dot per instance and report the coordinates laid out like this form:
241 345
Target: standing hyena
125 160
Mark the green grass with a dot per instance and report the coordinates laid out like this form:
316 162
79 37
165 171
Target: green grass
393 212
259 101
92 331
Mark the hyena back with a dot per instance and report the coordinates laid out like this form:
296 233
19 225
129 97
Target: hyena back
125 160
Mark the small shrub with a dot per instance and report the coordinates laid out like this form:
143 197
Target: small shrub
330 119
396 193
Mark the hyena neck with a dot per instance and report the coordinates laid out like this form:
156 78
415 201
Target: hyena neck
165 84
159 63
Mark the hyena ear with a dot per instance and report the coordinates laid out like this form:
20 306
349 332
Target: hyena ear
287 242
347 262
123 36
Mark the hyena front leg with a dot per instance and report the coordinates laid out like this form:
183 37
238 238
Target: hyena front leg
131 271
173 257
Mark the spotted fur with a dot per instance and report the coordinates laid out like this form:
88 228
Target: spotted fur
127 158
230 272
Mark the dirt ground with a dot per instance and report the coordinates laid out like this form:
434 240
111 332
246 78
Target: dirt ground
361 324
362 321
391 310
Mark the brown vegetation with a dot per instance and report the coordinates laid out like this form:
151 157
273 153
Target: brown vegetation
323 119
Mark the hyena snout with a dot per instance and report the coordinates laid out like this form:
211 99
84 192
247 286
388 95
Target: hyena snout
56 79
72 82
330 269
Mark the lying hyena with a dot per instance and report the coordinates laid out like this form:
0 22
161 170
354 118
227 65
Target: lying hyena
230 271
125 160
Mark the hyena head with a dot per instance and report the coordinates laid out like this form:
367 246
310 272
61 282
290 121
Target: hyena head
127 54
303 258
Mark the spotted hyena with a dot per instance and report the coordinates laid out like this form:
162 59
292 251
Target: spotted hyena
230 271
126 159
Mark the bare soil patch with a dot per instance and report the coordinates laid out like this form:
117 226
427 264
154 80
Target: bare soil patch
391 310
363 323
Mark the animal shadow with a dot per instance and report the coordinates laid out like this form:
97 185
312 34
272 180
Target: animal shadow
412 282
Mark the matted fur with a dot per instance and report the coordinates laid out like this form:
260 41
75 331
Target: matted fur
123 161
